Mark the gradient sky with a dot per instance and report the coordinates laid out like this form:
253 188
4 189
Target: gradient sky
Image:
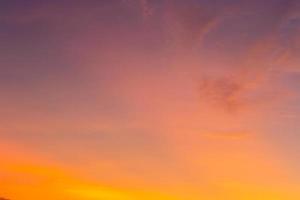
150 99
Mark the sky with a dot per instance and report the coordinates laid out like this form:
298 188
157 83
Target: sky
150 99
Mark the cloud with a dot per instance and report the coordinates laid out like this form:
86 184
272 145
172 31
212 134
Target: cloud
224 92
146 9
227 135
187 24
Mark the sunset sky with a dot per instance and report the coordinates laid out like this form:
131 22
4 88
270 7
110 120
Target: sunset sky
150 99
